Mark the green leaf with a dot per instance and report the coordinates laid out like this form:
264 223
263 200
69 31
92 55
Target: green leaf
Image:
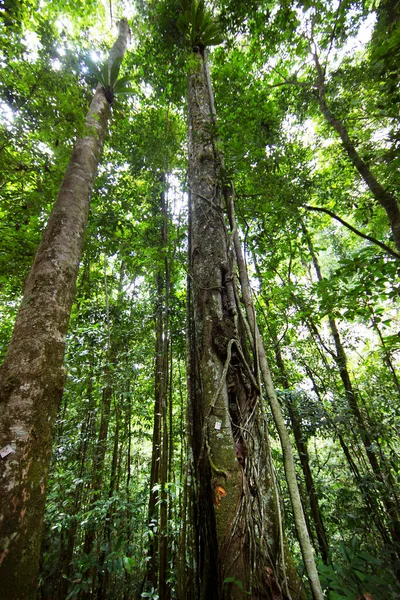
114 70
105 72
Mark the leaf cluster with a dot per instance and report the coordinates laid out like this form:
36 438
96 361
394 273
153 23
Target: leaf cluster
107 76
199 26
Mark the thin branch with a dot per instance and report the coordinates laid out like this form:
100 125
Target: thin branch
354 230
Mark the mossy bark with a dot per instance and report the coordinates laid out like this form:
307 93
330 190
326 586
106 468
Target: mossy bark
32 376
236 518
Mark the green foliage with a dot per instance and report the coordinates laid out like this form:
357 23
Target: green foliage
199 25
107 76
356 572
238 583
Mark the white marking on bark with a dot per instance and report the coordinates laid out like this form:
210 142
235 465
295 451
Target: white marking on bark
6 451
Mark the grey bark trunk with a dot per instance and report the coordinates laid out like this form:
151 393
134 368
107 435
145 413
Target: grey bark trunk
32 376
304 457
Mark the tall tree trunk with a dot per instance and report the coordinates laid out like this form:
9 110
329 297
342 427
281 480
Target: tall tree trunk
98 467
352 400
153 514
385 198
32 376
231 531
163 587
67 556
158 550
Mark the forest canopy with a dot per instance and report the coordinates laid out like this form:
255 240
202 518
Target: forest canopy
199 300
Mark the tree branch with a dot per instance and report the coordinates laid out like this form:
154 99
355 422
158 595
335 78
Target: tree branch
354 230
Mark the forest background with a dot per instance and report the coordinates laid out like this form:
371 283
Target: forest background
306 125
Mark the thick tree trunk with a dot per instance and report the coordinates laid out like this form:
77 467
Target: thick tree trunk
385 198
32 377
237 535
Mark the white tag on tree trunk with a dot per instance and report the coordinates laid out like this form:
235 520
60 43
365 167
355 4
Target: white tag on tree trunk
218 425
6 451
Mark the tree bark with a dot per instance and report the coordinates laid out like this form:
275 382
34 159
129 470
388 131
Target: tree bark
385 198
237 547
103 573
163 586
32 376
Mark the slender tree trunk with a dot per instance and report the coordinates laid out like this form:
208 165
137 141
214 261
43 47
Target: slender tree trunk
32 377
104 575
182 575
369 498
158 506
385 198
66 559
153 514
287 452
231 531
352 400
301 444
302 450
163 587
98 466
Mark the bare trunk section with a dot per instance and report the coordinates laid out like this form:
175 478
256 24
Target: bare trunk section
32 376
238 531
153 514
385 198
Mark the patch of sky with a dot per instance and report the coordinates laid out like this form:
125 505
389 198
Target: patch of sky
6 115
32 46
